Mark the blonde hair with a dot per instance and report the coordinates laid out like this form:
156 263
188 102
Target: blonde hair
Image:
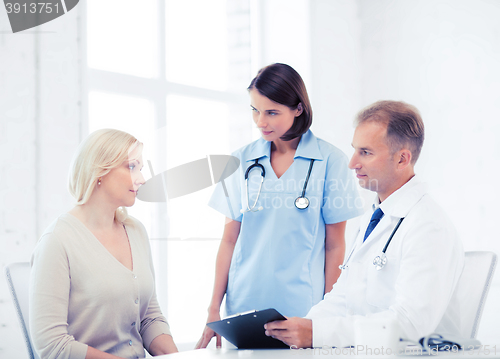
95 157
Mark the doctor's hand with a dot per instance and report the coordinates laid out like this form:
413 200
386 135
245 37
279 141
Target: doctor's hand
294 332
208 333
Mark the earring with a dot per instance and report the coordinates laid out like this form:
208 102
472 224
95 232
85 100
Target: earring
99 181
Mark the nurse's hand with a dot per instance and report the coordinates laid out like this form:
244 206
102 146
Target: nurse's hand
208 333
294 332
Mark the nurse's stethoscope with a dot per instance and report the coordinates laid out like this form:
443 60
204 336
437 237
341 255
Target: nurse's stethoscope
301 202
379 261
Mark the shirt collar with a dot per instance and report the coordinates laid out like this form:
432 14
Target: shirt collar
308 148
399 203
260 148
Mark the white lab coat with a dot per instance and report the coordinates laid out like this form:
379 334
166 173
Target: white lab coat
425 261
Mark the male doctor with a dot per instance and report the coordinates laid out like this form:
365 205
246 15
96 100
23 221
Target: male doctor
424 258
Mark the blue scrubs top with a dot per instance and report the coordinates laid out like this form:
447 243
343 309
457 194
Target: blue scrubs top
279 257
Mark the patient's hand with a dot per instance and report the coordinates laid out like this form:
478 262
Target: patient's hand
294 332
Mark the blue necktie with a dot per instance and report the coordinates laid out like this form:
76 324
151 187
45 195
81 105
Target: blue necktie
373 222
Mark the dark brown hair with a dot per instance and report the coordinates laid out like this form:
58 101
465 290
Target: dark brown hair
405 127
282 84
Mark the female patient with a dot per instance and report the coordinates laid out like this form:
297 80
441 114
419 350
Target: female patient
92 289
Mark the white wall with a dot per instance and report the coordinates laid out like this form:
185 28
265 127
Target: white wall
40 118
284 35
444 57
336 69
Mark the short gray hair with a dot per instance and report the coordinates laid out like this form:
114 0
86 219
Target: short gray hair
405 127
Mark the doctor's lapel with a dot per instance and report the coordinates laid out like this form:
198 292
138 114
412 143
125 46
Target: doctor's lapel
376 238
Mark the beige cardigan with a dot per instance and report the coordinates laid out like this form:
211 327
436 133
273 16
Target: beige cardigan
81 295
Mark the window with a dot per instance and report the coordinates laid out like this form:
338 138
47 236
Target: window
174 74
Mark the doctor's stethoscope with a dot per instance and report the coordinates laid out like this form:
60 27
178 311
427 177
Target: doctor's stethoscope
301 202
381 260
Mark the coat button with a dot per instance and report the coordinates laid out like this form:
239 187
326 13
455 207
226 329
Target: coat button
136 301
130 343
133 324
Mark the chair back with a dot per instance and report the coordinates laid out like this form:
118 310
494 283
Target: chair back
472 289
18 277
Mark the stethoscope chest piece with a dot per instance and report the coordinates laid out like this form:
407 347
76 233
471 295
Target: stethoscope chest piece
380 261
301 202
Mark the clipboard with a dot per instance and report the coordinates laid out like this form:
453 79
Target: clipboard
246 330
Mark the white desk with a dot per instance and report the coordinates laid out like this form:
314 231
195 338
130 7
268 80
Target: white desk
235 353
316 353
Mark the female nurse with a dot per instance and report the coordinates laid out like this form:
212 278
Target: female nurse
274 254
